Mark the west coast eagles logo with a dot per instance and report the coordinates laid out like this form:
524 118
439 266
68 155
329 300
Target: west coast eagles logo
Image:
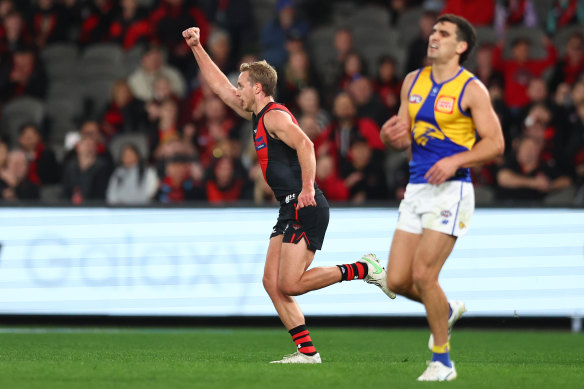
423 131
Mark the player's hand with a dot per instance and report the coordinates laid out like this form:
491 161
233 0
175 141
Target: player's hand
441 171
192 36
306 198
393 130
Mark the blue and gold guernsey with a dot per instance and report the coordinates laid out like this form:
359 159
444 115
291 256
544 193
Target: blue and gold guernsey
440 127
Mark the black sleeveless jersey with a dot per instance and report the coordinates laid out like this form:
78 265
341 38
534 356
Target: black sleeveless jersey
279 161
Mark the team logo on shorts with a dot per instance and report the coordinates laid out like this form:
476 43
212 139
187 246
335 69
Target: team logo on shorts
415 99
445 104
296 226
446 215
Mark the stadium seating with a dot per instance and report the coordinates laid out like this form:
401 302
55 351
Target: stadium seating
18 112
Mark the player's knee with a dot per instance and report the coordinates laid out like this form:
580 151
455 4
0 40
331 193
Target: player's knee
423 277
290 287
270 284
398 284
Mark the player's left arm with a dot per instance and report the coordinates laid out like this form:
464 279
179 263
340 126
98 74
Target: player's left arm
491 144
279 124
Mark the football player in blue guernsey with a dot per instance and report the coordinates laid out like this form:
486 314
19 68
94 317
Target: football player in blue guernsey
443 108
287 159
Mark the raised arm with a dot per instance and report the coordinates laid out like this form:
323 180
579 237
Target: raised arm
477 101
396 132
212 74
280 126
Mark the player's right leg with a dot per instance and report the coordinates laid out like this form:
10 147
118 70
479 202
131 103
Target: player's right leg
287 308
400 264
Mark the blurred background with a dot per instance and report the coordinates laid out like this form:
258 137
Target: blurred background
101 101
105 122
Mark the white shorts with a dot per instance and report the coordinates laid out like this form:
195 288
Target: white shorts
447 208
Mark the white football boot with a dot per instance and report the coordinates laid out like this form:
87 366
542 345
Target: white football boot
376 274
436 371
298 357
458 309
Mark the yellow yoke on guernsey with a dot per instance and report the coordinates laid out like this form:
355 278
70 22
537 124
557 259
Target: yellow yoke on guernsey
440 127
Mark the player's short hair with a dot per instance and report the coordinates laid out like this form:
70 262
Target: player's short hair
262 72
465 32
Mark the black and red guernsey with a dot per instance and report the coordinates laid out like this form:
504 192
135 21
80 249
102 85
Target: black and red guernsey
279 161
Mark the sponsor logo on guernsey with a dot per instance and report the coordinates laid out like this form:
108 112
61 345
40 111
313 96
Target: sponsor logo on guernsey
260 143
290 197
445 104
415 99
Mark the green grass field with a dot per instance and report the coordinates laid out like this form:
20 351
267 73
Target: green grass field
238 358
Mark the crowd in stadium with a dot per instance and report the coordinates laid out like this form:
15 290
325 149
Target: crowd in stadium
161 136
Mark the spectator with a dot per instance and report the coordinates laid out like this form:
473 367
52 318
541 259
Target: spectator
130 26
50 22
519 69
511 13
86 177
14 184
353 67
363 176
525 177
398 7
14 35
367 101
337 137
181 182
298 74
308 102
6 6
132 182
95 18
171 17
223 184
43 167
4 148
152 66
91 129
418 48
569 68
328 180
220 50
484 67
575 150
215 128
24 78
333 68
387 84
274 34
563 13
310 126
235 17
166 127
124 113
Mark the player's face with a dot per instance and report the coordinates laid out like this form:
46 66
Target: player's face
245 92
443 43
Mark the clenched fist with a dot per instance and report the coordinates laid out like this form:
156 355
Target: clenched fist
192 36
